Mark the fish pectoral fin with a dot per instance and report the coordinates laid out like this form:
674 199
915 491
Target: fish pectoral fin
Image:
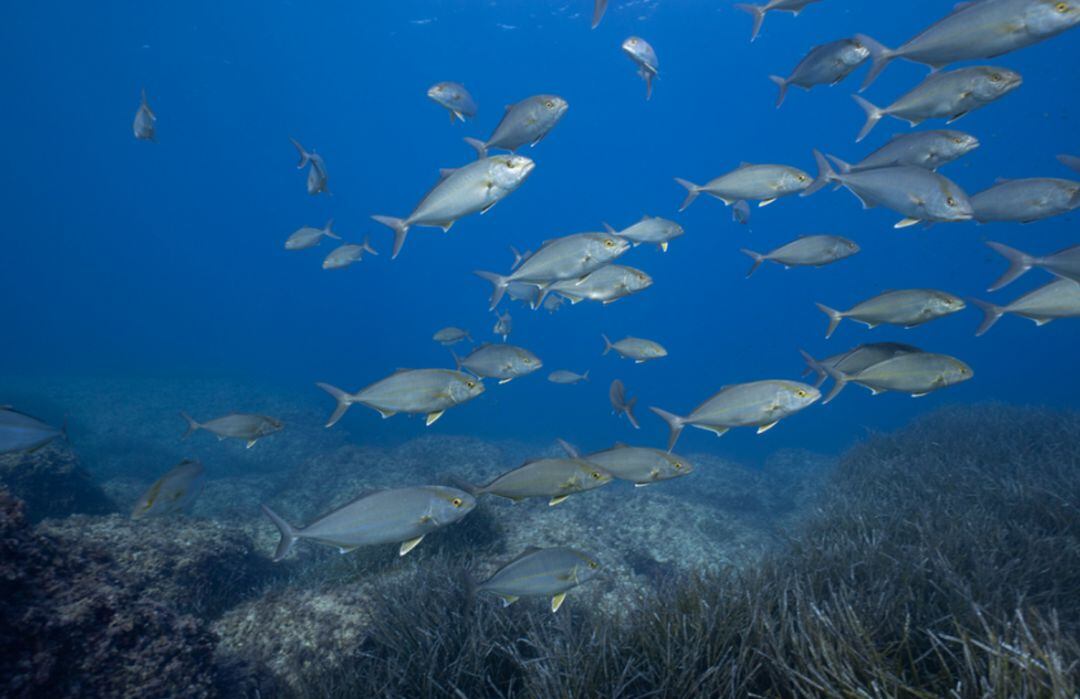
766 428
639 361
409 545
251 443
502 381
904 223
765 202
508 599
432 417
663 247
556 500
557 601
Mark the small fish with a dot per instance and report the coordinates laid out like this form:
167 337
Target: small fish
761 183
944 96
526 122
740 212
758 11
926 149
502 362
634 348
21 433
397 516
541 573
808 251
504 324
759 404
308 237
855 360
563 376
1058 299
915 373
317 178
650 230
1026 200
644 57
555 479
145 123
451 336
827 64
246 427
640 465
1070 161
172 493
1063 263
617 394
599 8
455 98
606 285
906 307
425 391
345 255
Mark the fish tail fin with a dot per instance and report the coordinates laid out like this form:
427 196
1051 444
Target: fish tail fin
873 116
675 424
991 314
288 534
813 365
826 174
329 233
834 318
479 146
628 408
1019 263
880 55
840 380
693 192
366 245
757 257
192 425
400 228
758 13
782 83
569 448
585 376
607 344
344 400
500 284
599 8
305 157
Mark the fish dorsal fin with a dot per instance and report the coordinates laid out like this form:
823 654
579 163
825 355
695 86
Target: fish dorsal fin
620 445
609 229
1002 180
961 6
445 172
527 552
745 164
569 448
402 369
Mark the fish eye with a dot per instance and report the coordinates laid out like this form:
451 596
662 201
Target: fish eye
995 77
1062 7
595 475
609 243
550 104
470 384
800 393
802 178
456 502
510 164
677 465
857 44
950 201
958 140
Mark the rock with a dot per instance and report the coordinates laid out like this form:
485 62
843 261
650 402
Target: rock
52 483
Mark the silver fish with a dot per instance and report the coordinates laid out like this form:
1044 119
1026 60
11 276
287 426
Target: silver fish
473 188
526 122
635 348
619 403
906 307
640 465
542 573
762 183
808 251
1058 299
308 237
926 149
740 212
916 194
428 391
974 30
556 479
172 493
644 57
502 362
144 126
1063 263
455 98
21 433
504 324
758 11
944 96
451 336
650 230
827 64
1026 200
345 255
855 360
599 8
317 178
916 373
759 404
563 376
607 285
246 427
400 515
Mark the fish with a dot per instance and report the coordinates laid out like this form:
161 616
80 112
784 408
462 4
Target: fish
556 479
455 98
174 492
944 96
20 432
926 149
317 177
759 404
451 336
740 212
905 307
504 323
308 237
243 426
599 8
650 230
1058 299
762 183
634 348
424 391
476 187
856 359
502 362
808 251
552 303
758 11
827 64
607 285
977 30
1070 161
145 124
644 57
345 255
570 257
1026 200
917 194
640 465
1063 263
526 122
617 394
916 373
567 377
541 573
397 516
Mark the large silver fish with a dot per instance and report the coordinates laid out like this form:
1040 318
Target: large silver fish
308 237
541 573
1026 200
500 361
650 230
1064 263
526 122
827 64
1058 299
174 492
556 479
636 348
640 465
144 125
345 255
455 98
606 285
317 178
905 307
926 149
808 251
243 426
644 57
400 515
20 433
855 360
761 183
758 11
426 391
916 374
620 404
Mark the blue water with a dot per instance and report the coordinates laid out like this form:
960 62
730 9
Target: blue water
126 258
